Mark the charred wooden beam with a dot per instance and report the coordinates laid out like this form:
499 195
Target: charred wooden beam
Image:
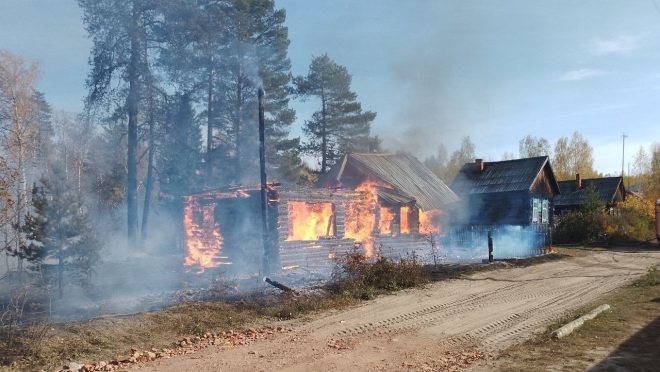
264 186
278 285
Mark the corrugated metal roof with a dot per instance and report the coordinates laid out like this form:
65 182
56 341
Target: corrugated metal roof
499 176
393 196
403 172
606 188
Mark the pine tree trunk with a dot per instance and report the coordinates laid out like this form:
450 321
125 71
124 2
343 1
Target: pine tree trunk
60 274
324 135
149 182
132 105
237 123
209 123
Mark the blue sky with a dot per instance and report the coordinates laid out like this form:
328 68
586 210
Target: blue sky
434 70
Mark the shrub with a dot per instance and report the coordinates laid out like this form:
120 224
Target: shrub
363 279
580 228
651 279
634 220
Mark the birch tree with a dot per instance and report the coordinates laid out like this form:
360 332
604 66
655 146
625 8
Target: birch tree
19 129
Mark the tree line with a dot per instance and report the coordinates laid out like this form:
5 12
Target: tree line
171 108
569 156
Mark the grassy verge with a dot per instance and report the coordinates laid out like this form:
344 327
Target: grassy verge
49 346
626 336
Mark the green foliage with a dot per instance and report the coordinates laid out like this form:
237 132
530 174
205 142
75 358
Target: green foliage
579 228
180 158
59 229
633 220
592 202
339 126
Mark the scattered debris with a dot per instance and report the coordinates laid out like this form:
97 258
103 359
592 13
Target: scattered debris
188 345
454 360
341 344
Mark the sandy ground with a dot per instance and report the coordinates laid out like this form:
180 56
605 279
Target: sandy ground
412 330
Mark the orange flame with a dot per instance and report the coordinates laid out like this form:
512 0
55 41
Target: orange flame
361 217
203 242
309 221
386 218
405 220
429 222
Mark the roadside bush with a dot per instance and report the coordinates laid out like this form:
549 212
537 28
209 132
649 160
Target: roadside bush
580 228
583 227
634 221
651 279
355 274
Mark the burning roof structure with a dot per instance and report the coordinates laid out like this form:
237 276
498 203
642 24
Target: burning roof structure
382 204
404 177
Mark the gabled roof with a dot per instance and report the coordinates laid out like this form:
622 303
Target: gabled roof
606 188
502 176
410 179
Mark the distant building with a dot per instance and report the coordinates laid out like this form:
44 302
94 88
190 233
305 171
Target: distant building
511 195
610 190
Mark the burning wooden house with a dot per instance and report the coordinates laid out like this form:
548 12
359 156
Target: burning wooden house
512 199
383 204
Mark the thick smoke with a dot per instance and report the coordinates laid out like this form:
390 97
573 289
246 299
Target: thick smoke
448 78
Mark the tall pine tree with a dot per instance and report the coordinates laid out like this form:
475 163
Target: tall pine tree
255 54
180 157
339 126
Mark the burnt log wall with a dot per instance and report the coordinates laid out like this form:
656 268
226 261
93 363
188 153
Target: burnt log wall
320 254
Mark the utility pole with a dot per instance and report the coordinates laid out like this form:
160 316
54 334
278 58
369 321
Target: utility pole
623 152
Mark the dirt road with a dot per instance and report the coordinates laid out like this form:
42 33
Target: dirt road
413 329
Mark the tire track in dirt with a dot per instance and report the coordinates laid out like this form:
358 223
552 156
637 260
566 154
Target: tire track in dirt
490 310
507 305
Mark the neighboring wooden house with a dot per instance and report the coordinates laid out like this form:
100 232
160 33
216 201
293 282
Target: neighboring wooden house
497 196
512 192
573 193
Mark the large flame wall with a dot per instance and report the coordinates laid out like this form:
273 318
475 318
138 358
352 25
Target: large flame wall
309 221
202 238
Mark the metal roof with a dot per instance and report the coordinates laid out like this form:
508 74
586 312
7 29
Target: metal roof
501 176
569 195
407 175
393 196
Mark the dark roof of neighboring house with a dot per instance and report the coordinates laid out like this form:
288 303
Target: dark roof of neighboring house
410 179
636 188
502 176
606 188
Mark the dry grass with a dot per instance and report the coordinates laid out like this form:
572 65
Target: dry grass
109 337
627 334
355 276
